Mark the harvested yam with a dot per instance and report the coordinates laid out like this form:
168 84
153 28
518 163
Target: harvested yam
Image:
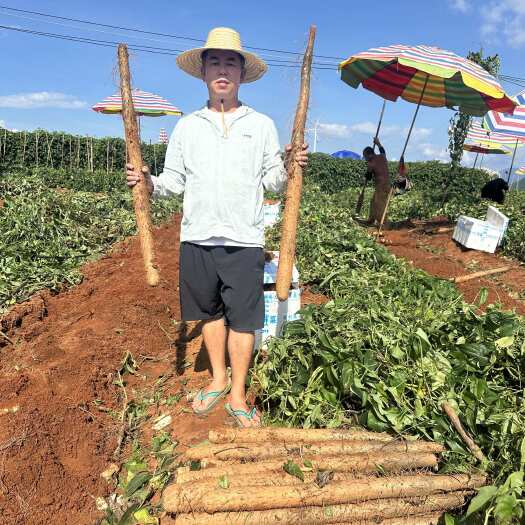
372 511
194 498
294 435
352 463
250 451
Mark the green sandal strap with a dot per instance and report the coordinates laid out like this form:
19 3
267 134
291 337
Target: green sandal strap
248 415
201 396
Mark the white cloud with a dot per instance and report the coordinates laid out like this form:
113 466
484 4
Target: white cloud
2 124
430 151
506 19
42 99
460 5
367 128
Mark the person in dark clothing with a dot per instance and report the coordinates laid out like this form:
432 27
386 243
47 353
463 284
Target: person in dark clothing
495 190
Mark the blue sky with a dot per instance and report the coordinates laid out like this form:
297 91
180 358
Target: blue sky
53 83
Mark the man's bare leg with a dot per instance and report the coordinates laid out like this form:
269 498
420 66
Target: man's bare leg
240 348
214 334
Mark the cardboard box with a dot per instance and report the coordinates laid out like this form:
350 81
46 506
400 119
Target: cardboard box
272 213
497 219
477 234
270 271
481 235
276 313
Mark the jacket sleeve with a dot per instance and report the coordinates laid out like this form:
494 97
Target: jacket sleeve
173 178
274 173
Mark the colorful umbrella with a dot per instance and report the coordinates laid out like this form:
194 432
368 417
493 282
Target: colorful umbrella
510 124
426 76
145 104
477 133
163 136
486 149
520 171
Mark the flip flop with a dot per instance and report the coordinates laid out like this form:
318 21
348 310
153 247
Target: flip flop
235 413
216 396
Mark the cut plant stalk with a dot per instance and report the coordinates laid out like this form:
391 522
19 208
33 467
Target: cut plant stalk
141 198
483 273
377 510
451 413
352 463
247 451
295 180
182 498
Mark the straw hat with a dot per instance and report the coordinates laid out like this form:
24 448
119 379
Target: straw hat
222 38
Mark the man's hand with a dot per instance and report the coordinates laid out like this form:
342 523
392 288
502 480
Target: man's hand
376 142
301 157
132 177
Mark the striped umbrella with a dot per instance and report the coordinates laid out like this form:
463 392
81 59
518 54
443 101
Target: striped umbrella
511 124
163 136
426 76
145 104
486 149
477 133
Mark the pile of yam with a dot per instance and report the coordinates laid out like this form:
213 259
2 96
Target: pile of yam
349 476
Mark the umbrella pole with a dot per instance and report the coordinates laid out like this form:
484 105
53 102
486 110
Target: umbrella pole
380 122
403 152
512 161
475 160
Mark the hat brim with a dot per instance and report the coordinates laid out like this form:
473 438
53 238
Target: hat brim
191 62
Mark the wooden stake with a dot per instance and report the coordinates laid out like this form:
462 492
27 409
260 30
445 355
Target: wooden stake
295 180
372 511
192 498
141 198
476 275
450 412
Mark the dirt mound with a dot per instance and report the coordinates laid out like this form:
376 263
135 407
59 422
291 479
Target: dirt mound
59 378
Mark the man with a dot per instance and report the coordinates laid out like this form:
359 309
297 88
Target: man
222 157
495 190
378 168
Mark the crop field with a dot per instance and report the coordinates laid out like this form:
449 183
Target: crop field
389 346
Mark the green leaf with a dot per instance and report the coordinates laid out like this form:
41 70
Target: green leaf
137 482
505 342
224 482
293 469
506 507
483 497
144 517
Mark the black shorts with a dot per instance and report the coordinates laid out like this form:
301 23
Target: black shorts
222 281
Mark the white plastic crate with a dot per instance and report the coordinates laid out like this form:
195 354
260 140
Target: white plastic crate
276 313
270 270
271 214
477 234
497 219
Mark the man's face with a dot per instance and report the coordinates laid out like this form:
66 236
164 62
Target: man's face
222 71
